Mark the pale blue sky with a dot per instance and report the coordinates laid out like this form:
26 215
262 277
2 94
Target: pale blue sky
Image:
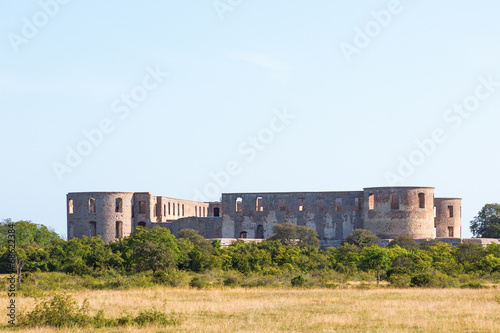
353 120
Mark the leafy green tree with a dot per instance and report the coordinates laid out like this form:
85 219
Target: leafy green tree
159 243
487 222
28 237
362 238
200 251
468 255
347 258
26 233
404 242
153 256
291 234
376 258
427 244
198 240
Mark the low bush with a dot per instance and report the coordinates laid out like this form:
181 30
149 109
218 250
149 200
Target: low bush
298 281
198 282
63 311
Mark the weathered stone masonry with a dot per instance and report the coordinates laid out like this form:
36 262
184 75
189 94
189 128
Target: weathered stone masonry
386 211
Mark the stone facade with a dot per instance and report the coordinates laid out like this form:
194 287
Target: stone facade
386 211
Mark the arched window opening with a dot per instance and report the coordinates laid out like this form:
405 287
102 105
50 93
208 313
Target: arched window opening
91 205
421 200
260 232
244 234
118 205
371 201
141 224
259 204
239 205
119 229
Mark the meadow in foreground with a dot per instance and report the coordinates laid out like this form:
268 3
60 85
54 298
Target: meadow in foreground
310 310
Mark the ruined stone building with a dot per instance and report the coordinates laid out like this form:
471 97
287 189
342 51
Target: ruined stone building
386 211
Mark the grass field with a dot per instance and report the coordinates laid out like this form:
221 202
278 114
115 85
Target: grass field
294 310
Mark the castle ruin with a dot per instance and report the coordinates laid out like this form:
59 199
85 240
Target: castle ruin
388 212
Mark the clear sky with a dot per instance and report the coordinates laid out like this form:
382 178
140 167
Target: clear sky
165 96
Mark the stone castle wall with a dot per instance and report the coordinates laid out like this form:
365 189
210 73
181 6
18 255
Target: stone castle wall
386 211
390 212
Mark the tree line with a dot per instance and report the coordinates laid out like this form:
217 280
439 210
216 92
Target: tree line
293 249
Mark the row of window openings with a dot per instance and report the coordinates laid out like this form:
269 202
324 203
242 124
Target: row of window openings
199 211
259 205
118 229
395 201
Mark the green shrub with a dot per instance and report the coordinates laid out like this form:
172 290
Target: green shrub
58 312
62 311
473 285
400 280
421 280
198 282
154 316
298 281
171 277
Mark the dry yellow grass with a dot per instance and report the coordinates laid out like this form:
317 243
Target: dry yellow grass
291 310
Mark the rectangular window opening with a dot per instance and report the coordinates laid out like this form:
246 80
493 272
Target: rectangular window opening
357 205
282 205
321 204
70 206
142 207
301 204
91 205
450 211
119 229
371 201
92 229
450 232
394 201
338 204
118 205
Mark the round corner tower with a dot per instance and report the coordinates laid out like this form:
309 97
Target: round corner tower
390 212
105 214
448 217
